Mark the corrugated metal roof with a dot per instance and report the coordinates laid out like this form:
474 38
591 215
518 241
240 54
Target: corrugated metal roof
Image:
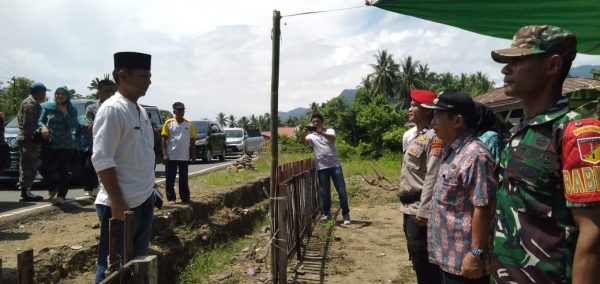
498 101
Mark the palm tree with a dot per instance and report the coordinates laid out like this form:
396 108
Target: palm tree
221 119
243 122
385 76
254 122
94 83
314 107
409 80
231 120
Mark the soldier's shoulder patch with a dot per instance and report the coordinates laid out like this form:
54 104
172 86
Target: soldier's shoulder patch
436 147
581 159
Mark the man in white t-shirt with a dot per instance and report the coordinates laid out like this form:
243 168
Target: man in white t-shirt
328 164
178 142
123 156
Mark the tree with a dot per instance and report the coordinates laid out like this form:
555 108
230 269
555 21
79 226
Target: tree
231 120
243 122
385 76
13 94
94 83
221 119
254 122
409 80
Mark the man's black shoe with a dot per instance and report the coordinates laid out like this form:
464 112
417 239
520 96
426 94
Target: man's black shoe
30 199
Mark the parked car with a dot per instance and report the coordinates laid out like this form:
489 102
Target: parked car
240 141
12 129
210 140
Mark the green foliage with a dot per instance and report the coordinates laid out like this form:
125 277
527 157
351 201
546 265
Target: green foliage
345 151
11 95
292 145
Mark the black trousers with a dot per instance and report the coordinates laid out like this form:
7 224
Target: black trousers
171 172
57 163
90 178
416 241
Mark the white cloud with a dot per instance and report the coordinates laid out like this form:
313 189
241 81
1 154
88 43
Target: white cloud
215 56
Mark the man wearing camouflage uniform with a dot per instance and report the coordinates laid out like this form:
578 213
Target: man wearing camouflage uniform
28 116
535 237
419 171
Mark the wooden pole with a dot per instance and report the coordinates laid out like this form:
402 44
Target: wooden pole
275 37
128 237
282 251
112 243
25 270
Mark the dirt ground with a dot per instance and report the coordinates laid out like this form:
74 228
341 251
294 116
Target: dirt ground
370 250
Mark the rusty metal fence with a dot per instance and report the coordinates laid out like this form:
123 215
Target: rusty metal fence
298 204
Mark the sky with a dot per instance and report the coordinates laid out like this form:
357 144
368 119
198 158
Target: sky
215 56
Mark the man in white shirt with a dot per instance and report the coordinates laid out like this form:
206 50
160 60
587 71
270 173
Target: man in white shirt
123 156
328 164
178 142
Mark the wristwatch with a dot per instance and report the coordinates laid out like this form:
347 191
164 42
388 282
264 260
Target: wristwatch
476 252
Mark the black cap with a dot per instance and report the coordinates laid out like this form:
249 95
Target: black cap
127 59
453 100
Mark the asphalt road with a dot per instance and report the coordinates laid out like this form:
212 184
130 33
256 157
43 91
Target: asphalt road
10 195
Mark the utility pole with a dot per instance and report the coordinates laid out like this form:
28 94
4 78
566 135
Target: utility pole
276 244
15 99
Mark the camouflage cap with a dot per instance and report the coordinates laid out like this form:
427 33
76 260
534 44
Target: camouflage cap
531 40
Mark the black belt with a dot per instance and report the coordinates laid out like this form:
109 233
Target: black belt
409 197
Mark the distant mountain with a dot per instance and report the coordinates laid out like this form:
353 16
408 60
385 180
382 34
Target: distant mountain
346 95
583 71
297 112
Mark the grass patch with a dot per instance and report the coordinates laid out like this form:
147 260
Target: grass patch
226 178
211 260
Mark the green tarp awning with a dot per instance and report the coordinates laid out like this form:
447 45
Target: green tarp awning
502 18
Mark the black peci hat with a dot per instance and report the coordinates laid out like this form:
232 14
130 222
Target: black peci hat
127 59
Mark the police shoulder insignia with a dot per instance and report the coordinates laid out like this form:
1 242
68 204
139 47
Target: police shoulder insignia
436 148
580 157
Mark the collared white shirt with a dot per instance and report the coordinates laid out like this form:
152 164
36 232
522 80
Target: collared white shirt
326 155
124 140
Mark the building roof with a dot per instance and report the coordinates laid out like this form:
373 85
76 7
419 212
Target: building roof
287 131
498 101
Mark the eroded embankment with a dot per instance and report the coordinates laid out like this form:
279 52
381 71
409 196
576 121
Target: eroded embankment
177 232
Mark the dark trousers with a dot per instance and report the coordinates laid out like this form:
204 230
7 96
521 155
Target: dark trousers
171 172
449 278
142 231
57 163
28 164
336 175
416 241
90 178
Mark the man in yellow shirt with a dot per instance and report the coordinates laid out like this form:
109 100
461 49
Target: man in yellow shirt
178 143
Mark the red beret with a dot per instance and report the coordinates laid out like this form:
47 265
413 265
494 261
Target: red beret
422 96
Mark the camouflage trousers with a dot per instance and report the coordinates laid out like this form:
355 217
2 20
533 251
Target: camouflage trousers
29 160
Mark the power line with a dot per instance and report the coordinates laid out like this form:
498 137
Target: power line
324 11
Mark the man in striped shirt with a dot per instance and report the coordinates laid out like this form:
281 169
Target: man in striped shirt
460 222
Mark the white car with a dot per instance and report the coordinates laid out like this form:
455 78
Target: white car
239 141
